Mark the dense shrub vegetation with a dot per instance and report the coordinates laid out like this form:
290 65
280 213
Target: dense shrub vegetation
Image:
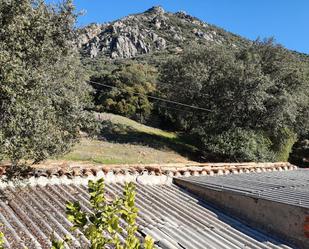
130 84
43 91
300 152
256 94
258 99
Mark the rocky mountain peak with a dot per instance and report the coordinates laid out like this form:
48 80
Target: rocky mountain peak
153 31
156 10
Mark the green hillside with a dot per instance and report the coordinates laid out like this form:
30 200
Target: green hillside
125 141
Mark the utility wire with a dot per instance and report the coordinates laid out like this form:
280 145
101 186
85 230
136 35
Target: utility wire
156 98
179 87
172 108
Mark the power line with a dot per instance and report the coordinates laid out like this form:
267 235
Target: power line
164 84
179 87
156 98
168 107
173 108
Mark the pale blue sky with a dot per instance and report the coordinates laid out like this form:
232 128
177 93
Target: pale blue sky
286 20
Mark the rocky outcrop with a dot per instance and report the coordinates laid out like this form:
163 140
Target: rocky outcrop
148 32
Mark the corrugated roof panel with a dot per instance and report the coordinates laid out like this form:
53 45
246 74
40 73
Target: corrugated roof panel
175 218
289 187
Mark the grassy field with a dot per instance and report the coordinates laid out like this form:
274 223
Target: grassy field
125 141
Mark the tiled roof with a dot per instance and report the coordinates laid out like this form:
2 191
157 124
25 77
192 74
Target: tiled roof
174 218
171 170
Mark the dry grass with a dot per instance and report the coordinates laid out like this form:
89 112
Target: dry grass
102 152
125 141
120 120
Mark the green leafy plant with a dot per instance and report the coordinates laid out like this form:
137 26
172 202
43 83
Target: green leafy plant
300 152
238 143
60 244
1 240
129 85
109 218
43 89
256 96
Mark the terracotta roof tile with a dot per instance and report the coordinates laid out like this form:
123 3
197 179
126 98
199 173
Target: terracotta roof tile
154 170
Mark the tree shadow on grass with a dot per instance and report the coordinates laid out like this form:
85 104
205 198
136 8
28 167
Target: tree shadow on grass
120 133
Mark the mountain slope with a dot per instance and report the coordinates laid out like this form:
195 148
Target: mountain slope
151 32
126 141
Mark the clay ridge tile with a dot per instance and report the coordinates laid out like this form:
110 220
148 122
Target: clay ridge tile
187 170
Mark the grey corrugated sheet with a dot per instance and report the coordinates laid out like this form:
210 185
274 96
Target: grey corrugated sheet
174 218
290 187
